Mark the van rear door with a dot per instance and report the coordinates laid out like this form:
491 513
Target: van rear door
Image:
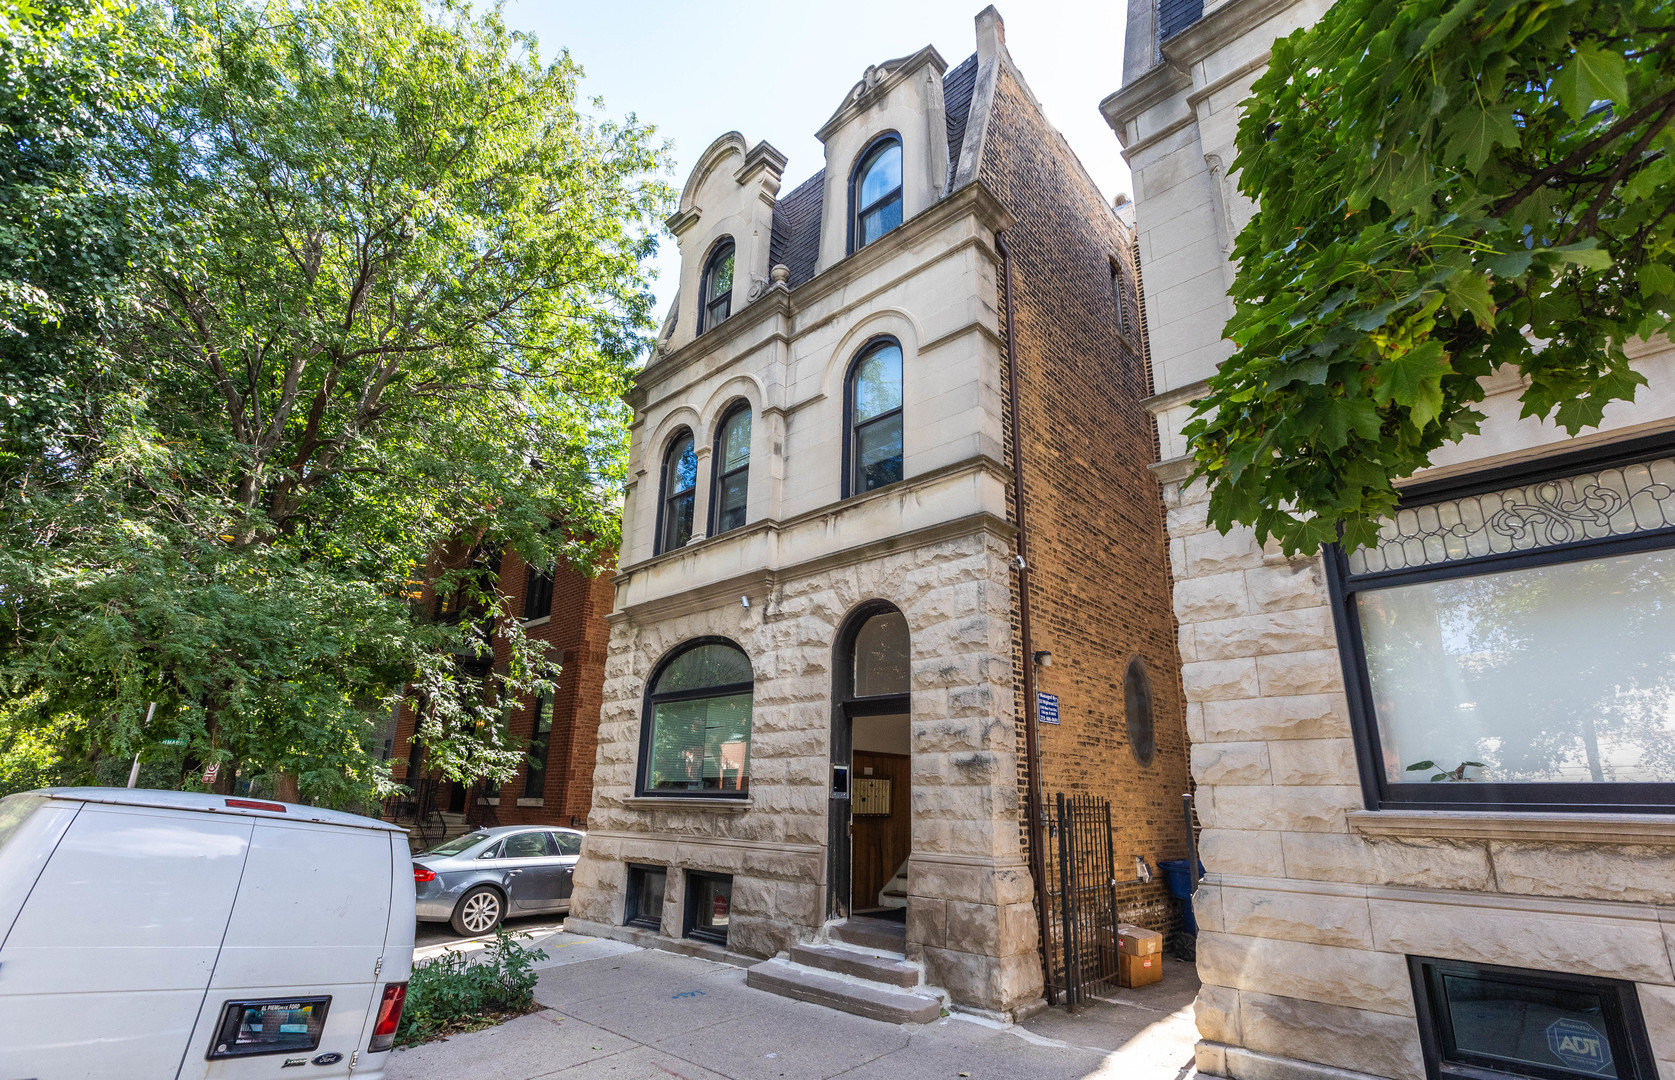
109 957
298 970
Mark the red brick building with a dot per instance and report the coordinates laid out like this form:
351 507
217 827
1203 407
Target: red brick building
565 610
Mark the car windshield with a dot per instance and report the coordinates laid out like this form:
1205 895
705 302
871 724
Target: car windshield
458 844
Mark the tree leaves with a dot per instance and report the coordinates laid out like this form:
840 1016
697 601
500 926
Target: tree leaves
1436 198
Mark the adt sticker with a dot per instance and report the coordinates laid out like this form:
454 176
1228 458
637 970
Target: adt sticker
1047 708
1578 1045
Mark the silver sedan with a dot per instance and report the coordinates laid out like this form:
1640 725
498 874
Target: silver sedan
475 880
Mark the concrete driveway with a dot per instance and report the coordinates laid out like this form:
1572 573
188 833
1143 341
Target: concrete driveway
616 1011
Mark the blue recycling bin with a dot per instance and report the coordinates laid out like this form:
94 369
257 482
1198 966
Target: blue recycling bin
1178 873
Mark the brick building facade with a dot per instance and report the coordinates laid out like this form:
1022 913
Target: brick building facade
567 613
815 718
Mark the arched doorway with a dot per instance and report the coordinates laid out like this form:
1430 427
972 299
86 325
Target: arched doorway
870 823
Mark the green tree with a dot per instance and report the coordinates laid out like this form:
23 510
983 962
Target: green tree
1444 188
391 291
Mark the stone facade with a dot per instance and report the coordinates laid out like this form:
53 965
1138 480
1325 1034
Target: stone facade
940 545
1314 899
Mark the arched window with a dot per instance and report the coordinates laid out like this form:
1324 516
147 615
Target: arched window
875 192
680 484
696 733
715 295
1137 706
873 402
732 469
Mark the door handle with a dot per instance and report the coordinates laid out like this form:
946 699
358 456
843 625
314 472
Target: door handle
513 873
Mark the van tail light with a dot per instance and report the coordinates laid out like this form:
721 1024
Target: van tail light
422 874
256 804
389 1017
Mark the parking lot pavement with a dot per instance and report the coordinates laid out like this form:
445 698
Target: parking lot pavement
616 1012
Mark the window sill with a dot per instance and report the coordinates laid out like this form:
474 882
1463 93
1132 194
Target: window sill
676 802
490 802
531 802
1651 829
542 621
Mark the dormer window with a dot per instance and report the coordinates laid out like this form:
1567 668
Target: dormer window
680 484
717 292
875 193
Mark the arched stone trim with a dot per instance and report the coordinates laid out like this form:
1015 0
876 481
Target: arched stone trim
888 322
730 143
745 387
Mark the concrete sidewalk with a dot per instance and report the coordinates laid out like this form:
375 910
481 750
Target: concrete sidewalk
617 1011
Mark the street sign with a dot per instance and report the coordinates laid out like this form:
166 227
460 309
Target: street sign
174 742
212 770
1047 708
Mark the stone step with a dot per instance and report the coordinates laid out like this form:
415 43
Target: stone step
869 999
881 935
862 965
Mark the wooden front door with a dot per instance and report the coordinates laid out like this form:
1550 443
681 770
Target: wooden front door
881 841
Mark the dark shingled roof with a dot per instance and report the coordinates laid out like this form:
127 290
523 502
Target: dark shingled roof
796 237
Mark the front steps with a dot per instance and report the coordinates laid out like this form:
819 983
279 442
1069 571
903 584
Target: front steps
862 972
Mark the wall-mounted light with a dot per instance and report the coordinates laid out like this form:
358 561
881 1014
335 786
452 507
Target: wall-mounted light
1043 658
745 600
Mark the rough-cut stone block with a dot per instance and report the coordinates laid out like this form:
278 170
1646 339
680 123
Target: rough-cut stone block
1313 716
1383 1044
1250 854
1287 809
1222 596
1435 864
1217 1013
1290 674
1657 1005
1300 969
1592 944
1209 552
1230 763
1313 761
1322 918
1265 633
1219 680
1632 874
1297 584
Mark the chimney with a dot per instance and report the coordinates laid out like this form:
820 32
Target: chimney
991 34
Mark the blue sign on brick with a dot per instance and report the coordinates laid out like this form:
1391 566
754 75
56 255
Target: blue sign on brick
1047 708
1579 1045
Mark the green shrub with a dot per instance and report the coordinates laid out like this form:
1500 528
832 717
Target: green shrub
450 993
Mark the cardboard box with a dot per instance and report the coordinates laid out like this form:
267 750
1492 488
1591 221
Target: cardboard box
1139 970
1138 941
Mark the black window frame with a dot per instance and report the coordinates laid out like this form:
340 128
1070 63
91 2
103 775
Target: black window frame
650 700
858 176
1630 1047
852 430
538 594
537 764
718 479
664 496
1138 697
706 319
1343 586
631 915
689 910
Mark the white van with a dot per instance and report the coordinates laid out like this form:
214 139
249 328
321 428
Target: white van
165 934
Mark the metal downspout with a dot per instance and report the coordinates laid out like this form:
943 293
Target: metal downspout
1032 767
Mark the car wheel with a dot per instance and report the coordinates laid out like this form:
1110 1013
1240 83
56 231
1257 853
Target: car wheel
479 912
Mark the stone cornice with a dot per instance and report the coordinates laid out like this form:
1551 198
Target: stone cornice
1150 90
974 198
688 804
1158 404
1616 829
1220 27
1173 471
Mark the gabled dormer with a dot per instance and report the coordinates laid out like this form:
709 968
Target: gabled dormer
724 228
886 153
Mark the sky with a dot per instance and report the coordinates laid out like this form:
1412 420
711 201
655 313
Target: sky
777 71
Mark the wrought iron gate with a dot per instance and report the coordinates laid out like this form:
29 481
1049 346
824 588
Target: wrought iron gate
1081 915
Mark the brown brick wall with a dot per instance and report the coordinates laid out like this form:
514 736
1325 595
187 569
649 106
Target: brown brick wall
576 635
1100 588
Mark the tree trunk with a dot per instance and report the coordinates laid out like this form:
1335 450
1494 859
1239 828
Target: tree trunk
285 787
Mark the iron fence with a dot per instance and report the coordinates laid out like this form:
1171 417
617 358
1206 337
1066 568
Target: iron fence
1081 917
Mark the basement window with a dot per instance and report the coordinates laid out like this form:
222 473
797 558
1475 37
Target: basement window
1482 1022
709 903
646 885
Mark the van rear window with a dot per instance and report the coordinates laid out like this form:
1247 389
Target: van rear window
269 1027
14 811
